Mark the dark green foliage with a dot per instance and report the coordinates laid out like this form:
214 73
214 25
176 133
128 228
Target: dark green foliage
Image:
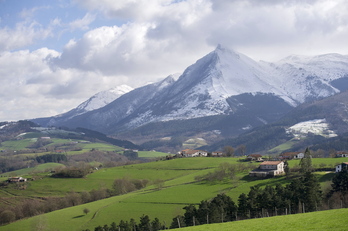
130 154
220 209
243 207
178 222
72 172
144 224
306 162
55 158
340 182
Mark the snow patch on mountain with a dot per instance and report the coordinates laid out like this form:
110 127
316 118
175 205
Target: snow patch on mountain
317 127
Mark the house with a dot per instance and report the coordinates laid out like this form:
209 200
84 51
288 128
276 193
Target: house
341 167
217 154
268 168
341 154
17 179
193 153
291 155
256 157
45 138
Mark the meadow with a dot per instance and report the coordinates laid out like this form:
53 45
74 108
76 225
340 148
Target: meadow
165 202
321 221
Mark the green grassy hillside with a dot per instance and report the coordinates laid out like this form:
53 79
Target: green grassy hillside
320 221
164 202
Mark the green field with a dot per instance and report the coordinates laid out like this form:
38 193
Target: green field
321 221
179 189
151 154
28 171
317 162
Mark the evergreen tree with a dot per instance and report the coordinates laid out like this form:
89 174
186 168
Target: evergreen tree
243 206
190 216
312 193
340 182
203 212
144 224
286 168
306 162
156 225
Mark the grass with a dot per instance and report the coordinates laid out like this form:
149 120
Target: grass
179 190
29 171
316 162
151 154
319 221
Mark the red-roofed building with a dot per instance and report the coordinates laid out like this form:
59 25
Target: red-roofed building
256 157
341 154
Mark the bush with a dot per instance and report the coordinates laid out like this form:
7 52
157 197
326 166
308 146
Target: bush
7 216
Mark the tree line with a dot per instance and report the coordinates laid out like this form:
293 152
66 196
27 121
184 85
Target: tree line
33 207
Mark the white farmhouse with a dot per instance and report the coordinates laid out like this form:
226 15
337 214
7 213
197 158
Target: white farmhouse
342 166
268 168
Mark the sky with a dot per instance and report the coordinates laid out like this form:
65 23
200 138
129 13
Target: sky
56 54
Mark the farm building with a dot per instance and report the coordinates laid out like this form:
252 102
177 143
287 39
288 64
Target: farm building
193 153
291 155
256 157
217 154
341 167
17 179
268 168
341 154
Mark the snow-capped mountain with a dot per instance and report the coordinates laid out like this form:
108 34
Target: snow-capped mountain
223 82
103 98
95 102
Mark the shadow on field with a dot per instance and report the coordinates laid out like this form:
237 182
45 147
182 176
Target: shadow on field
78 216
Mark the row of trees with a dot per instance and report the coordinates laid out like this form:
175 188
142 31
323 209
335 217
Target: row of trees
301 195
144 224
33 207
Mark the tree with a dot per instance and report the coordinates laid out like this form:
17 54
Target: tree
7 216
156 225
86 211
340 182
144 224
123 186
312 193
243 206
306 162
286 167
190 216
229 151
241 149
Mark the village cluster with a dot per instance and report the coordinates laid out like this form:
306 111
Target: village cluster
266 168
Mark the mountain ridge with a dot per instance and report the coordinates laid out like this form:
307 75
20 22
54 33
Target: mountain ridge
223 82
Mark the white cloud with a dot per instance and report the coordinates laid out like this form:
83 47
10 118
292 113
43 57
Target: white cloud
24 34
83 23
30 88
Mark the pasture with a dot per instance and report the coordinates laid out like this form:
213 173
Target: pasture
164 202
